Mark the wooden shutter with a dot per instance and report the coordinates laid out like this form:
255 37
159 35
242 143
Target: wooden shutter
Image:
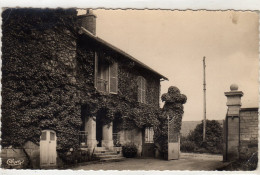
113 78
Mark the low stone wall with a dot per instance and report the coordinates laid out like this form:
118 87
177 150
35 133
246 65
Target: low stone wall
248 132
16 158
132 136
13 158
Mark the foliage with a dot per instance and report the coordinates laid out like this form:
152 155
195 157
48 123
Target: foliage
48 75
77 156
36 97
243 165
172 109
129 150
214 137
187 146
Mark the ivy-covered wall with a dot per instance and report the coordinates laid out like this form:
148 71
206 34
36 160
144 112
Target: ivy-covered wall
48 75
128 71
38 83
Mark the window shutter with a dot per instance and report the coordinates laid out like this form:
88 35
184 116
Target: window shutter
113 78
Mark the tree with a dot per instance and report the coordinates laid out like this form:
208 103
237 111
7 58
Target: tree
214 135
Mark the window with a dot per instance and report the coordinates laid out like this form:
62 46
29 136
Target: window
43 136
52 136
149 135
105 75
141 82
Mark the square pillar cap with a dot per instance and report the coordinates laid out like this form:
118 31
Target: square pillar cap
234 93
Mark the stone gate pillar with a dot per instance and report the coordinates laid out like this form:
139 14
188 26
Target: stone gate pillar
173 111
91 130
107 136
231 134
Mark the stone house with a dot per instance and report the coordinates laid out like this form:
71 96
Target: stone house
66 88
108 79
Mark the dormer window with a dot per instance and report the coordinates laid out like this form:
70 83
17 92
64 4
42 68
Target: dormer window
141 83
105 75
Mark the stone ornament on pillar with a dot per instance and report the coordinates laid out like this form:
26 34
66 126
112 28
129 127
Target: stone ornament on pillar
233 100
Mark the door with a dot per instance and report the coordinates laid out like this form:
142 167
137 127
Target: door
48 152
99 130
148 143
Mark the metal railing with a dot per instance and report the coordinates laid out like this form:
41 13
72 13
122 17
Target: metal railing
116 140
102 84
83 138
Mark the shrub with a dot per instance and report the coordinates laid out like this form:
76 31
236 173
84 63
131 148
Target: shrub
214 136
129 150
77 156
188 146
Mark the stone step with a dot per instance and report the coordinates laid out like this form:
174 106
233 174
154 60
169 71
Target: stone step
113 159
105 153
100 149
108 156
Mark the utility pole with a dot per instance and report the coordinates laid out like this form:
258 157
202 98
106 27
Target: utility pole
204 90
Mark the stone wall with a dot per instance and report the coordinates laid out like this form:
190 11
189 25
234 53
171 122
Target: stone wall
132 136
17 158
240 128
248 132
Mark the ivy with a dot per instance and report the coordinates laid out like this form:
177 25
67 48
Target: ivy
48 75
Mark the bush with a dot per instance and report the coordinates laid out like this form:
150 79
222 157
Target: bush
77 156
213 133
188 146
129 150
194 143
214 137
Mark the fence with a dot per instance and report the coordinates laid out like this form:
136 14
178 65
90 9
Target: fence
83 138
116 140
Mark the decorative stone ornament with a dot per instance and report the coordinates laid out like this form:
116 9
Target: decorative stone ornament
233 100
234 87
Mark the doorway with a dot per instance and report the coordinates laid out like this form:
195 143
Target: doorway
148 143
48 143
99 127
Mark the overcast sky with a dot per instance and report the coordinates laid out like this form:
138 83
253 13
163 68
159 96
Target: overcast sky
174 43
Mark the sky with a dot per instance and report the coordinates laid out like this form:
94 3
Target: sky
174 43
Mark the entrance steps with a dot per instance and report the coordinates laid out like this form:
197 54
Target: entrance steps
106 155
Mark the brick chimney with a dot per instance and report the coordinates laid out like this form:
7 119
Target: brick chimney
88 21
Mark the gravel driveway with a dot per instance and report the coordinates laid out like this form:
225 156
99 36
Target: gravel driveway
188 161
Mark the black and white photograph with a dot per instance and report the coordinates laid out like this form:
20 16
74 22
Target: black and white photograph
129 89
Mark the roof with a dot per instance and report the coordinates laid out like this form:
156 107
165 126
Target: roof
89 34
249 109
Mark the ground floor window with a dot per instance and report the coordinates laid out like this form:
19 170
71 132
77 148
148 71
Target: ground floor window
149 135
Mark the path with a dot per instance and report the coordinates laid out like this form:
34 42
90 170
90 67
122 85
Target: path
188 161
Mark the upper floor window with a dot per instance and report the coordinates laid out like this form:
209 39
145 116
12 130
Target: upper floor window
141 83
105 75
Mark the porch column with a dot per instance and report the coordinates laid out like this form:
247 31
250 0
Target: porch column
231 149
107 136
91 130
